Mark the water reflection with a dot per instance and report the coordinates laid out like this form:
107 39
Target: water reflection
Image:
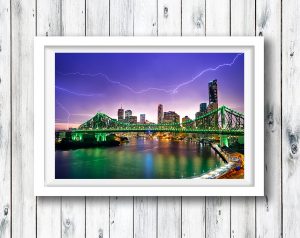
139 159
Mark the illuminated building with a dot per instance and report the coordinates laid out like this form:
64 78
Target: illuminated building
121 114
133 119
213 92
142 118
128 113
203 107
171 117
185 122
213 100
160 114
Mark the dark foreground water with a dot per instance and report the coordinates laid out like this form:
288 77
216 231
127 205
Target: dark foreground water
139 159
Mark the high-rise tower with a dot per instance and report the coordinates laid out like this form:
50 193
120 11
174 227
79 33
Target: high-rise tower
213 92
121 114
160 114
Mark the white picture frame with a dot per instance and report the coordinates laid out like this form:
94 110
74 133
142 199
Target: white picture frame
45 183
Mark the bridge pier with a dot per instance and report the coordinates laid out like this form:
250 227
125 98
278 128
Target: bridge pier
100 136
77 136
224 140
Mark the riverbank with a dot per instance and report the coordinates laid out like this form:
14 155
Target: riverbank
234 169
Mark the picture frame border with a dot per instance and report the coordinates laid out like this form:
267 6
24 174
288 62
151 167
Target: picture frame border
88 187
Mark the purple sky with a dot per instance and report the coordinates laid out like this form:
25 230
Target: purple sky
87 83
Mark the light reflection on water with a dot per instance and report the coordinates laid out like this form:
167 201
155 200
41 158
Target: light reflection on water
139 159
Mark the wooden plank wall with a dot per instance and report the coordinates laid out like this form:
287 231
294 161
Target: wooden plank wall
274 215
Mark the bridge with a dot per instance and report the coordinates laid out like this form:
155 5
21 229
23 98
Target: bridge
221 121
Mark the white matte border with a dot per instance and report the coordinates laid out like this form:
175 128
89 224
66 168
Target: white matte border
46 185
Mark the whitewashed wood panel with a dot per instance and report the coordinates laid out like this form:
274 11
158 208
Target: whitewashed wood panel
145 208
73 208
121 217
145 217
193 17
290 117
169 17
48 222
97 17
169 208
169 217
121 208
48 23
193 208
97 217
121 17
242 208
145 17
218 17
268 208
23 200
193 217
5 120
97 208
73 217
218 208
73 17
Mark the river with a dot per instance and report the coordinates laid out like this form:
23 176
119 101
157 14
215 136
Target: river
139 159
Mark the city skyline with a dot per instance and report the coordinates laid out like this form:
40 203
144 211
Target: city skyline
148 80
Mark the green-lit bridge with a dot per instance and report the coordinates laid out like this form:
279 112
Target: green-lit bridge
221 121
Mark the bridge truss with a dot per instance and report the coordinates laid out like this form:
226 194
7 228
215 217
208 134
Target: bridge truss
219 121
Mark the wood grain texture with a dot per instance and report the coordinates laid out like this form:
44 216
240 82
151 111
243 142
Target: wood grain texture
290 117
169 17
97 208
73 217
121 17
5 120
218 17
193 208
97 217
23 200
97 17
169 208
218 208
145 217
48 23
121 208
121 217
73 17
21 216
145 18
145 208
242 208
193 17
73 209
193 217
268 208
48 222
169 217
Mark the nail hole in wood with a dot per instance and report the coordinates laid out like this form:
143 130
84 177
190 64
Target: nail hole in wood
166 12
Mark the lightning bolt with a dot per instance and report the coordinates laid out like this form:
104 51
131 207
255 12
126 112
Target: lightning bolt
172 91
79 94
175 90
69 114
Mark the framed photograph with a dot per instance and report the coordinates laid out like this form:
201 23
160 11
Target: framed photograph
149 116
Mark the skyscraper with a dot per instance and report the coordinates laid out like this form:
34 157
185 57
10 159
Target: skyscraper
121 114
128 113
203 107
171 117
213 92
160 114
142 118
133 119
